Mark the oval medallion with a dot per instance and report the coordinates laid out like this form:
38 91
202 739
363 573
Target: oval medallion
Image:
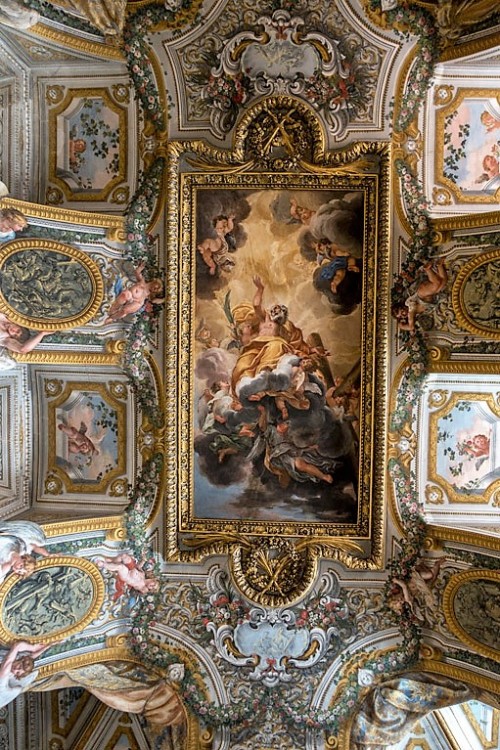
471 603
475 296
46 285
60 598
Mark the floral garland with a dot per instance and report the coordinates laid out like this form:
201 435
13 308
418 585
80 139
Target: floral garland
141 500
227 92
469 657
47 10
411 545
419 253
136 48
145 324
418 22
135 45
228 608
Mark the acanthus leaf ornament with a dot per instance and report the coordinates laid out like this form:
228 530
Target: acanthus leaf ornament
283 59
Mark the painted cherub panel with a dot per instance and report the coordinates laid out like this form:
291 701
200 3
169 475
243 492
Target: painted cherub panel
468 442
86 437
472 145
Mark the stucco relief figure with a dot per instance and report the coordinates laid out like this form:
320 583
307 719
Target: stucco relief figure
47 285
129 574
15 14
126 687
477 609
130 298
479 295
18 541
392 709
454 17
11 221
416 592
106 15
53 599
15 338
17 671
424 296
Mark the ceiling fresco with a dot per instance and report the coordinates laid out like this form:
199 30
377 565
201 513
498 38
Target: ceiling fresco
248 374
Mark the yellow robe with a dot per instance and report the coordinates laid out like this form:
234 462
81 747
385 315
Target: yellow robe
262 353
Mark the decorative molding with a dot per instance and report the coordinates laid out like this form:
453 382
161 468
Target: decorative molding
8 598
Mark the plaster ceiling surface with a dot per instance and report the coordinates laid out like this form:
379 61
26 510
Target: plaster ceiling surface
249 391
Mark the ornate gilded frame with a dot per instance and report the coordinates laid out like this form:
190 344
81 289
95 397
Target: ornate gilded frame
463 316
452 620
60 100
83 259
98 593
57 481
445 404
449 189
265 160
402 445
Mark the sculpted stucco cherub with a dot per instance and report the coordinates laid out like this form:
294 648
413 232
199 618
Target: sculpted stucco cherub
416 591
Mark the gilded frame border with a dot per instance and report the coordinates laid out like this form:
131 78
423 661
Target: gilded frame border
6 636
34 322
464 319
60 106
192 165
402 445
434 417
452 622
54 471
439 178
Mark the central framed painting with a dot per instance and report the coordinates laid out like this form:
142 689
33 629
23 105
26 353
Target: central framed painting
276 334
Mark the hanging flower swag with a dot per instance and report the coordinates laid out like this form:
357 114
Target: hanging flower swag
143 494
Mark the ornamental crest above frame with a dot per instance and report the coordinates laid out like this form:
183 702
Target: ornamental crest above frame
317 53
277 475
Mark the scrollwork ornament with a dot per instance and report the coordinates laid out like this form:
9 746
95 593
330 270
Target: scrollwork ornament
403 445
434 495
116 234
115 346
437 398
53 485
54 196
275 641
52 387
